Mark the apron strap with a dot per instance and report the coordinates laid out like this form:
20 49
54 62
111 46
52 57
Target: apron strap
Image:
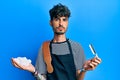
47 56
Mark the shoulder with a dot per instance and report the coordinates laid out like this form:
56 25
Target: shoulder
76 47
75 44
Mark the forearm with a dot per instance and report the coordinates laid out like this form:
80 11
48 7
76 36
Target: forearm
38 76
81 75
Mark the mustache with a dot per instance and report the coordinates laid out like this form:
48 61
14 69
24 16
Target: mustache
60 26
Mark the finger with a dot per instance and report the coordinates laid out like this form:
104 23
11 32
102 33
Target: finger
13 62
16 64
99 59
93 59
87 63
92 66
94 63
96 59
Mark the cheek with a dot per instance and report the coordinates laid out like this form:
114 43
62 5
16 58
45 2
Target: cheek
66 24
55 24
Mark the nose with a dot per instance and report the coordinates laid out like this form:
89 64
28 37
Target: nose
60 22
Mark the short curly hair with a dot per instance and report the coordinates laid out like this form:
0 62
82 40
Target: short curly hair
59 10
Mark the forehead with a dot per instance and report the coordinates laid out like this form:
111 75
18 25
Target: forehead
59 17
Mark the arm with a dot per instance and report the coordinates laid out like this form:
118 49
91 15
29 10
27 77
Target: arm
80 75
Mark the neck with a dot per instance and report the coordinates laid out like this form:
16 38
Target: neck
59 38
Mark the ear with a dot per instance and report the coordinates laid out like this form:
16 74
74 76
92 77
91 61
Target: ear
50 22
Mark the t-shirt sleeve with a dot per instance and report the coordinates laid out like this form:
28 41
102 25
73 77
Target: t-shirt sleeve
40 65
79 56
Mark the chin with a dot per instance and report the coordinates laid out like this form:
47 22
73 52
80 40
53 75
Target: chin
59 33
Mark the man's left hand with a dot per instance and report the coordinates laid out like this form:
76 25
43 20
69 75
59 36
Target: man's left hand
92 63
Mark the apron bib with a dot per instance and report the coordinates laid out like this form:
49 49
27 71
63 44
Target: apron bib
63 65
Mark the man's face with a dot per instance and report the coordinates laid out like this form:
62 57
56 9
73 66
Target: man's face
59 25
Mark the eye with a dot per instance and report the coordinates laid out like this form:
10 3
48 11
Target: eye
56 19
65 19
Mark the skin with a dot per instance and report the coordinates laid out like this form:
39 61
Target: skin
59 26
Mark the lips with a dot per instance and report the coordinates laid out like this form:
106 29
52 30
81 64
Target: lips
60 28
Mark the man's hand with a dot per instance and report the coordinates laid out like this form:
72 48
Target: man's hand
29 68
92 63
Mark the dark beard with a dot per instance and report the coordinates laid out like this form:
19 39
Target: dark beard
59 33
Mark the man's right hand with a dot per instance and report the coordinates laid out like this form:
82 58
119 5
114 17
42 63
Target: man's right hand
29 68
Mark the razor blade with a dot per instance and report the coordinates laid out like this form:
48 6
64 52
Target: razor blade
93 50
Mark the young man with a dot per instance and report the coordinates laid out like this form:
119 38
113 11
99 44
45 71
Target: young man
68 59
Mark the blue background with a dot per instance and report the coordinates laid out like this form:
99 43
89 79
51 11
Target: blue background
24 25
